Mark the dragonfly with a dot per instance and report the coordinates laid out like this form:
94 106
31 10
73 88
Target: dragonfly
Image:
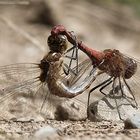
43 80
118 78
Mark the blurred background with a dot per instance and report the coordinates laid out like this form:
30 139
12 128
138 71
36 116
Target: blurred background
101 24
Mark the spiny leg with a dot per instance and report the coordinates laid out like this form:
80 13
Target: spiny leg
130 91
119 88
68 68
120 85
113 87
122 92
70 49
107 84
74 50
71 60
104 82
77 60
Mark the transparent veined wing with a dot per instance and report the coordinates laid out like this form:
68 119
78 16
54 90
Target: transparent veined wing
18 82
22 93
74 109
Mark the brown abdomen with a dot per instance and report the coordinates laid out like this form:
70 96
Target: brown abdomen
131 68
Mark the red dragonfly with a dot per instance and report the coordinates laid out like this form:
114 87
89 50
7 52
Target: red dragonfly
118 72
42 80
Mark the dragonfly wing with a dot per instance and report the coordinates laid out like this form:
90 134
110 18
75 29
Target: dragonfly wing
15 73
17 78
118 100
84 68
18 83
23 95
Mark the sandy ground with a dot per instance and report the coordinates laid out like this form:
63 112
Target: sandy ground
68 130
23 39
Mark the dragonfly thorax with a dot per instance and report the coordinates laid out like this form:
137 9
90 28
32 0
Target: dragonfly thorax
113 63
116 65
50 64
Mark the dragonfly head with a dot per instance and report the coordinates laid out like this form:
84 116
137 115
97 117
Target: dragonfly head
57 43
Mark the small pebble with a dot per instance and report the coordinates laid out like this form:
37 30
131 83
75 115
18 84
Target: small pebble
132 122
45 132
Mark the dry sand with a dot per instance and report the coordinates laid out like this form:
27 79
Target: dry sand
23 39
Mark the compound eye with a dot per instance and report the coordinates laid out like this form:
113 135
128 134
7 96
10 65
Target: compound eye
57 43
51 40
62 39
56 39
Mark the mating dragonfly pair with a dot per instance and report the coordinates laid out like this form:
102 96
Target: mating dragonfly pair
113 71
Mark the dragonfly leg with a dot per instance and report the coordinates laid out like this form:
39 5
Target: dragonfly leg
131 93
122 92
70 70
101 84
107 84
74 55
113 87
121 88
70 49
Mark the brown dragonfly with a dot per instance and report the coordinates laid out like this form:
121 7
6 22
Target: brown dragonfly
43 81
